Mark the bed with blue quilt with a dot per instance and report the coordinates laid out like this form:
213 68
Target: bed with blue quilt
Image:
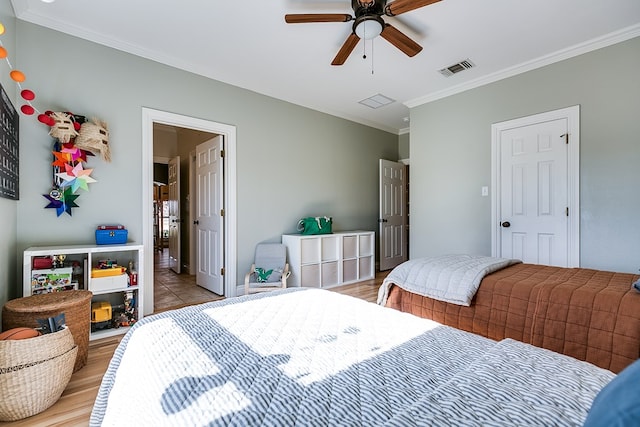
311 357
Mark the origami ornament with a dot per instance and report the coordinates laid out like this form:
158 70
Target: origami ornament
61 201
61 159
76 177
76 153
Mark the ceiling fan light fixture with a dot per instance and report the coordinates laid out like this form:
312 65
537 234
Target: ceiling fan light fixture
367 25
368 28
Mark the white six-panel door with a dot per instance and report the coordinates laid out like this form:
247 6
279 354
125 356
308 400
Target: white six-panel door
534 193
393 214
209 217
536 189
174 215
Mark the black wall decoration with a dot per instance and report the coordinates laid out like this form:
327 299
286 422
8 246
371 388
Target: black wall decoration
9 159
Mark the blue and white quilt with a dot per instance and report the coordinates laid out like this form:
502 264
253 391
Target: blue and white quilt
310 357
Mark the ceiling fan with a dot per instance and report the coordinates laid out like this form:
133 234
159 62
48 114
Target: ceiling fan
368 23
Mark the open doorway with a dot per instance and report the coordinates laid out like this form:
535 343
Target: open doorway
182 132
175 218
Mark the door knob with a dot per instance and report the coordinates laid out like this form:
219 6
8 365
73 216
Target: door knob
506 224
196 222
382 220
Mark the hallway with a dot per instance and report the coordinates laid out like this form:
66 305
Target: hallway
173 290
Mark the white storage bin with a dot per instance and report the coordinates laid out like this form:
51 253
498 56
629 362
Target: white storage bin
109 283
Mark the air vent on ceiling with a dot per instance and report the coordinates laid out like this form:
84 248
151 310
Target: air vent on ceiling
456 68
377 101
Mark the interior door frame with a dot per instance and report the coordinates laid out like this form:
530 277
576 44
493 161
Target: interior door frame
151 116
572 115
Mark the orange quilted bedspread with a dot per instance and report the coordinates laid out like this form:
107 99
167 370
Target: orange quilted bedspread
588 314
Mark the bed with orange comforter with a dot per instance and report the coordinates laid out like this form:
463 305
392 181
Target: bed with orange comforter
588 314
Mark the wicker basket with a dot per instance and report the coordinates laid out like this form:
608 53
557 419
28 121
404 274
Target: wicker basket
34 372
76 306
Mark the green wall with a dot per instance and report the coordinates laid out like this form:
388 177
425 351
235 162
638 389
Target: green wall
8 208
291 161
403 146
451 148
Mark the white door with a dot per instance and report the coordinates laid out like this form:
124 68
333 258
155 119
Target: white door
174 214
534 189
393 214
209 217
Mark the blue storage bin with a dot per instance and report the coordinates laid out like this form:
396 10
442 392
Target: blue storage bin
111 237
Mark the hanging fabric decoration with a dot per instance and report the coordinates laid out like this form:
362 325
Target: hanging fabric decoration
75 139
94 137
64 126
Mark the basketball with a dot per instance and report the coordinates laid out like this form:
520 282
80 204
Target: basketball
19 334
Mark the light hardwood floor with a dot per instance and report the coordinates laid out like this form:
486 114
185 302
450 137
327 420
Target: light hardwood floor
74 407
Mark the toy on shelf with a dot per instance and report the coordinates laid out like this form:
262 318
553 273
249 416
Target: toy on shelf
107 316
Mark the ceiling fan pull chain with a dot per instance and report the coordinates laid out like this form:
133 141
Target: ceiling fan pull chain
364 48
364 43
372 44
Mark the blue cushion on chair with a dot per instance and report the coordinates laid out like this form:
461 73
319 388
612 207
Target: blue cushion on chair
618 403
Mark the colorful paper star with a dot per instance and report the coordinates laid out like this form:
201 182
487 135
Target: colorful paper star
76 153
75 182
61 158
66 202
76 177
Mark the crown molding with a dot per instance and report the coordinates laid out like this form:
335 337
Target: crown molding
579 49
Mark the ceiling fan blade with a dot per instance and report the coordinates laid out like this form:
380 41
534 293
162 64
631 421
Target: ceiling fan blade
400 40
403 6
346 49
303 18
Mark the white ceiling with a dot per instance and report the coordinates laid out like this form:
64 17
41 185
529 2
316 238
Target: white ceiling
248 44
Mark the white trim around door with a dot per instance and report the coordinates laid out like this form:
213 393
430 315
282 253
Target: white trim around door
572 117
151 116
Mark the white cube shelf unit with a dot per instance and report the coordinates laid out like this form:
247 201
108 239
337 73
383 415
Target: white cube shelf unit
327 260
83 258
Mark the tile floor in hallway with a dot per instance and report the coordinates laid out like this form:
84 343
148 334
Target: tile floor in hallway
173 290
